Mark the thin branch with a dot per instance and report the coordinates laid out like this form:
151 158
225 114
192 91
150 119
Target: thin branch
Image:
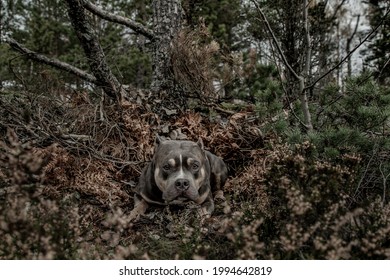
348 47
350 53
336 10
356 27
137 27
275 41
364 173
384 67
384 180
50 61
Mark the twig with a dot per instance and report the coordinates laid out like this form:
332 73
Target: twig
364 173
336 10
384 67
76 136
349 41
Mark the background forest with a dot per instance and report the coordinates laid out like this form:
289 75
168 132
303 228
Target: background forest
293 95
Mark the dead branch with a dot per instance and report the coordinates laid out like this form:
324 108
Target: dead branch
50 61
137 27
336 10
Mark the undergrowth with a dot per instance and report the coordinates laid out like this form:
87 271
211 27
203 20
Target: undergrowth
68 164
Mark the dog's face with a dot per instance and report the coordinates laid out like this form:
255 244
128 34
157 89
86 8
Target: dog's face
180 169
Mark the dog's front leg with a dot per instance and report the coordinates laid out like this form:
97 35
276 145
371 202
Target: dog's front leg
140 207
207 207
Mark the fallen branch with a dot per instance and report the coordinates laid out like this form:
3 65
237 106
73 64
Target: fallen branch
50 61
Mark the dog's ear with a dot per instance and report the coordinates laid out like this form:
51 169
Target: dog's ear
158 141
200 143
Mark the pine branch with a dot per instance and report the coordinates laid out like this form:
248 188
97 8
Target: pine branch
50 61
137 27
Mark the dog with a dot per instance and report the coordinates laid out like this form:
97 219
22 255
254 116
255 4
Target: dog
180 171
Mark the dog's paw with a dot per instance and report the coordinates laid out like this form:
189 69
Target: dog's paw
219 196
220 200
139 209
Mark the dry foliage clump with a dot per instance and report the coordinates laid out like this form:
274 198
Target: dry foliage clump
193 61
201 68
234 140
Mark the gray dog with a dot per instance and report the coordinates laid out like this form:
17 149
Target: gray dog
180 171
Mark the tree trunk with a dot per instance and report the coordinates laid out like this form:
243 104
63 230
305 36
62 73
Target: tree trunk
167 16
306 71
348 48
93 50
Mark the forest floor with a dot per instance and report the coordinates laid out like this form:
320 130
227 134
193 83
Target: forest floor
68 169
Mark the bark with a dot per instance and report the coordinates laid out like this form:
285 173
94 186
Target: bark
93 50
167 16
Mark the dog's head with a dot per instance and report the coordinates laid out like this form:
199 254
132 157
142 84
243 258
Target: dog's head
180 169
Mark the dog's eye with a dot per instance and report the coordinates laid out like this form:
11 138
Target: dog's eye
166 167
195 166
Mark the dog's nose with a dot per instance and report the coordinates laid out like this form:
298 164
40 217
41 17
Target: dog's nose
182 184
